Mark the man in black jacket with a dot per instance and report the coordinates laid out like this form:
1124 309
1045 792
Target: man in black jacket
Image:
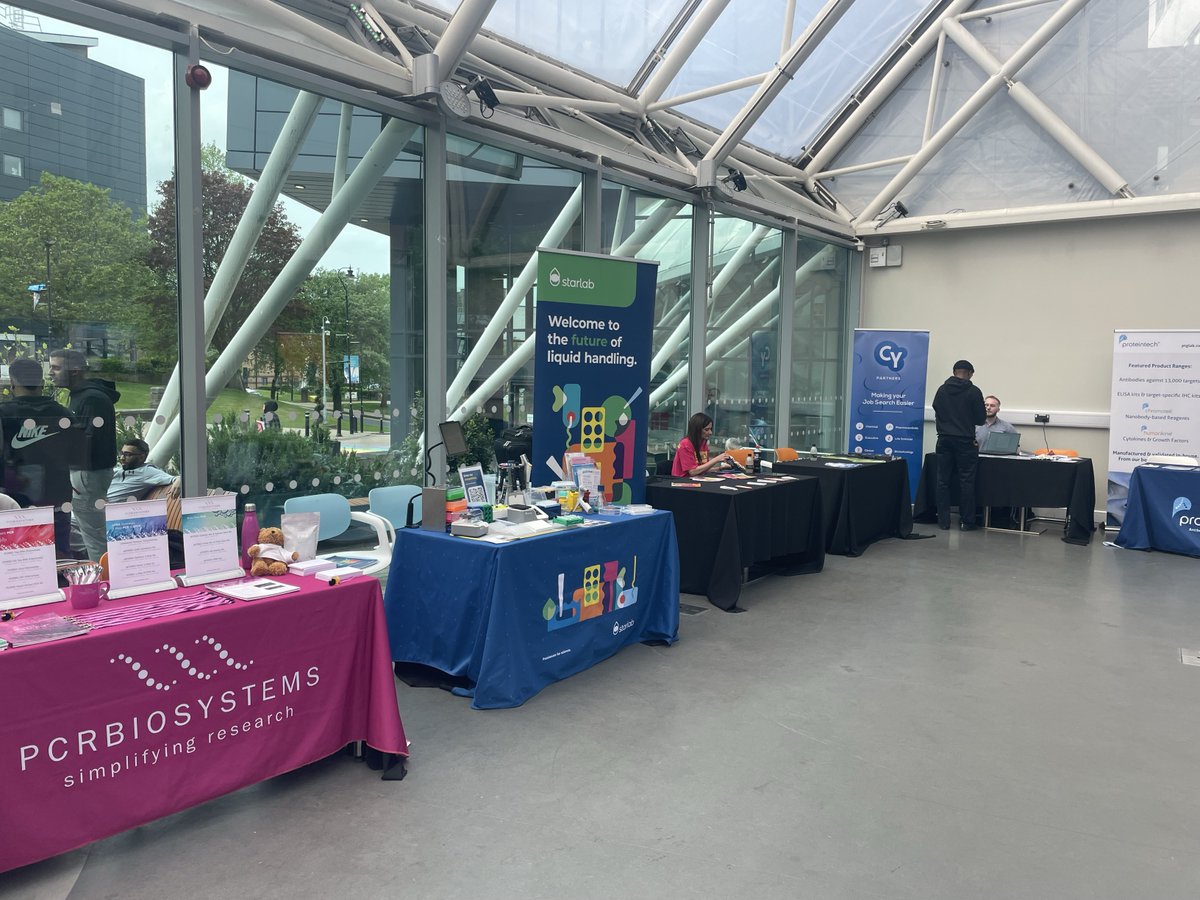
957 409
39 447
92 405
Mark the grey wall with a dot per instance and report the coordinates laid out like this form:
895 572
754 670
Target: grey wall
1034 308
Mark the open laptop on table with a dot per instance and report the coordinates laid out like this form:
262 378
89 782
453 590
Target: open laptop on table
1001 443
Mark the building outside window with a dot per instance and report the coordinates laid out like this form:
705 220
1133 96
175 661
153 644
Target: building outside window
13 119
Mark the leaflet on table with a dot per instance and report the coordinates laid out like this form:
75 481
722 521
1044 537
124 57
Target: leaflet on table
255 589
210 545
138 561
39 629
588 479
27 557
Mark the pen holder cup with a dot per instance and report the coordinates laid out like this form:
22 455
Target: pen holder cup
87 596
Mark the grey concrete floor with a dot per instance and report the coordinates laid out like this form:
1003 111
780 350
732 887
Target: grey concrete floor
976 715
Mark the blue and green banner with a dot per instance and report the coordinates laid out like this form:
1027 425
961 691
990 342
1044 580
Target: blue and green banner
592 367
887 396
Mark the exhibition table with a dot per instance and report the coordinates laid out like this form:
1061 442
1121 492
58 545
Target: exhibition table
513 618
863 501
125 724
1020 481
1159 514
728 526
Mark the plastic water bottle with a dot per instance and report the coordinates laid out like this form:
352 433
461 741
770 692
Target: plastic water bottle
249 534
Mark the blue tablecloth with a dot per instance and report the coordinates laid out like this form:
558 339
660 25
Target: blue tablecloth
513 618
1160 514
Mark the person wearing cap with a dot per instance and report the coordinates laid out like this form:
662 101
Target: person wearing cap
957 410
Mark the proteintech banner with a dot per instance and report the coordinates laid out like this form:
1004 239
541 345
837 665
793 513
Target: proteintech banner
591 372
887 397
1155 405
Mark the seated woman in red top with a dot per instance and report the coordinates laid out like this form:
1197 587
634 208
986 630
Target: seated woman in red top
691 457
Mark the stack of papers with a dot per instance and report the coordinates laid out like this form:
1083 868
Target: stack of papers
257 589
23 631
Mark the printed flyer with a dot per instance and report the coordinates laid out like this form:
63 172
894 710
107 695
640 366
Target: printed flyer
27 557
138 561
210 546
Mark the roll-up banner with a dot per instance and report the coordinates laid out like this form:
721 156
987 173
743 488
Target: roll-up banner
592 367
887 397
1155 407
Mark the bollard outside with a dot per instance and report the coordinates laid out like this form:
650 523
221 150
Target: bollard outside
307 416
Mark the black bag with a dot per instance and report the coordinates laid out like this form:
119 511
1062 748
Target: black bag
512 442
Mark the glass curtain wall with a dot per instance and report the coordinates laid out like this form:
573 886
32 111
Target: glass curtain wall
636 223
503 205
820 341
742 338
320 389
87 136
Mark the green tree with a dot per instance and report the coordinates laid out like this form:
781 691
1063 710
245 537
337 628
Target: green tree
225 194
99 264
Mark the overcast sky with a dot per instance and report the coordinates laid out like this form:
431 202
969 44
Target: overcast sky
364 250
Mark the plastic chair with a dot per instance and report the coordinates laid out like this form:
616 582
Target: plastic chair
1167 459
1055 451
336 517
400 504
743 456
785 454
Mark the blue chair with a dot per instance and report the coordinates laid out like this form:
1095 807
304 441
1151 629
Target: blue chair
336 516
400 504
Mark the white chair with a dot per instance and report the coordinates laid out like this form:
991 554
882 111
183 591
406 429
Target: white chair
1168 460
336 517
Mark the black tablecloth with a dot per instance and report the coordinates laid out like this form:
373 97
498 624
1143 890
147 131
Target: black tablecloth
1022 481
861 505
722 532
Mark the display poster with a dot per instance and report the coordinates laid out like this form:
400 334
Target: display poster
210 538
1155 406
592 367
27 557
138 560
474 487
887 396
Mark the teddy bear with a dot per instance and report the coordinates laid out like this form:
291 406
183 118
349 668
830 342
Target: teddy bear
268 555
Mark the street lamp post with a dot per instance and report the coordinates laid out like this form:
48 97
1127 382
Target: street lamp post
49 242
343 274
324 332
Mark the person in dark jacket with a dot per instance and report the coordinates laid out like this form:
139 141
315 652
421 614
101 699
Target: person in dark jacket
957 409
39 447
92 405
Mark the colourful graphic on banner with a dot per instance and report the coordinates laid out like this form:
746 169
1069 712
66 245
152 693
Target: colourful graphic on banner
887 399
602 591
594 316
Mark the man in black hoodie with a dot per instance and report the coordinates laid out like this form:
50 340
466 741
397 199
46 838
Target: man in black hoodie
92 405
39 447
957 409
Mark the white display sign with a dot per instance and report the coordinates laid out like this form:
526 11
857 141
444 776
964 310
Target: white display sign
138 560
1155 405
210 540
27 558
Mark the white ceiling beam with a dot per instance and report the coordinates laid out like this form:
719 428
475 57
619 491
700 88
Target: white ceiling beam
1043 115
787 66
466 22
967 111
704 93
678 55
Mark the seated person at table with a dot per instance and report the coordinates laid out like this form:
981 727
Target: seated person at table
134 478
992 423
691 457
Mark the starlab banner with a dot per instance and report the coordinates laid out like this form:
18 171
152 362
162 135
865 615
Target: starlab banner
592 367
1155 388
887 398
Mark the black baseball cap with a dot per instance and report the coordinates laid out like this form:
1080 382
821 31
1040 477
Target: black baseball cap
963 364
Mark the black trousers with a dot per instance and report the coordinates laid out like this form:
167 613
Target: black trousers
956 456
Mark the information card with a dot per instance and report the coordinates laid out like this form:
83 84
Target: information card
138 560
27 558
210 542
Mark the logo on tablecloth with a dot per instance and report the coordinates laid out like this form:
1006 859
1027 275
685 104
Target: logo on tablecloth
603 591
1180 508
206 659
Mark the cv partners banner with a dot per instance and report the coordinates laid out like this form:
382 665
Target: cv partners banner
592 367
887 399
1155 405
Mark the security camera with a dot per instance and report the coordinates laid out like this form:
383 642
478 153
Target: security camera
860 246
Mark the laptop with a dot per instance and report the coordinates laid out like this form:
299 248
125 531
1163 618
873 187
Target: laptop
1001 443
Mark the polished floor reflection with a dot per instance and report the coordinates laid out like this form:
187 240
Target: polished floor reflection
976 715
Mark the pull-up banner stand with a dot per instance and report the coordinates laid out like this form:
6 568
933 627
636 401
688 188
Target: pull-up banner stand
887 396
591 373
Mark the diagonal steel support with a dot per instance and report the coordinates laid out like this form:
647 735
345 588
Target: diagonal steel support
466 22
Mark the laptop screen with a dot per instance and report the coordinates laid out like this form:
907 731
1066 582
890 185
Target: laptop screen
1001 442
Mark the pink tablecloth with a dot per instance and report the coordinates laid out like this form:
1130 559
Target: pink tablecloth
113 729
